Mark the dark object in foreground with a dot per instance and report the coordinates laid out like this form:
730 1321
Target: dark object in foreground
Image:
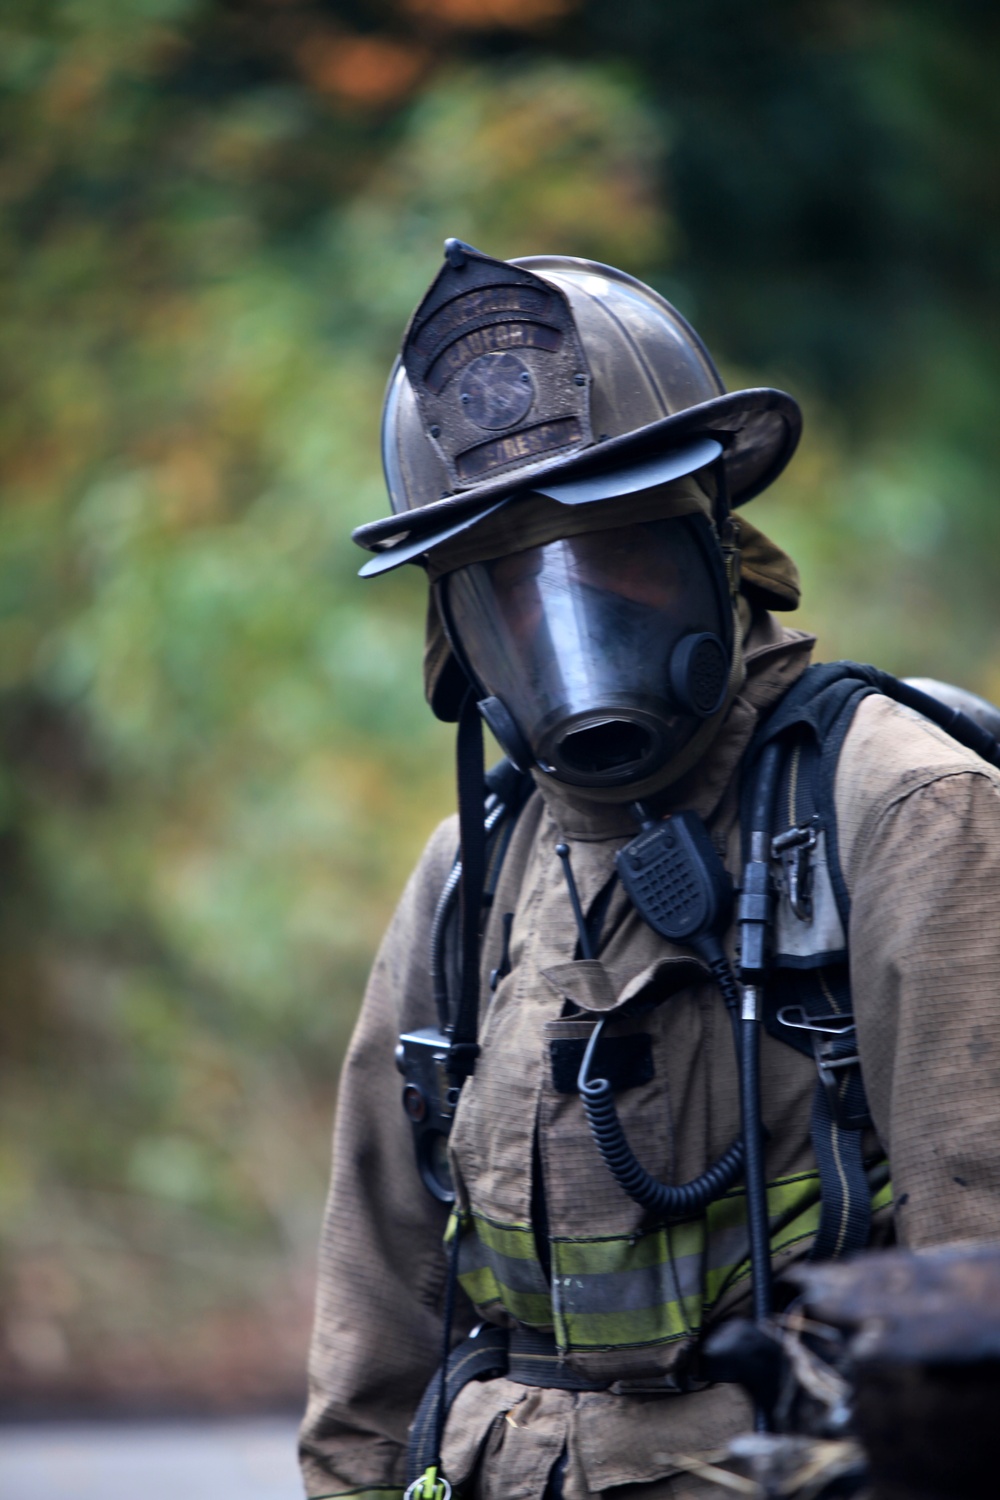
748 1355
925 1352
883 1380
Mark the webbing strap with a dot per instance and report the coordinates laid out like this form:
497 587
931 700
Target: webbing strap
529 1356
481 1357
822 1004
471 778
535 1360
845 1197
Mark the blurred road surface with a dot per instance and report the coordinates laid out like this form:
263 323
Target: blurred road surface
248 1459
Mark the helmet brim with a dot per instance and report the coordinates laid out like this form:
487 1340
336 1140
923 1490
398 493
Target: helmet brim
587 489
758 430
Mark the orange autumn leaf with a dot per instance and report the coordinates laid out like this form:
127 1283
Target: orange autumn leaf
484 14
360 70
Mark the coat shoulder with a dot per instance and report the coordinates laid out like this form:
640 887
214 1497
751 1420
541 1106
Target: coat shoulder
439 852
889 753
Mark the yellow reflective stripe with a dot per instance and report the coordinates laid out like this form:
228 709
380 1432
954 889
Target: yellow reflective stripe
883 1198
522 1272
786 1200
482 1285
620 1289
533 1308
793 1209
642 1325
517 1241
648 1280
494 1267
609 1253
785 1196
610 1291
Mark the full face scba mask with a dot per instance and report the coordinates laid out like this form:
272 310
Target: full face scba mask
600 655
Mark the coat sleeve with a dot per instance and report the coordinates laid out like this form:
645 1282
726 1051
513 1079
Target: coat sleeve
925 966
378 1325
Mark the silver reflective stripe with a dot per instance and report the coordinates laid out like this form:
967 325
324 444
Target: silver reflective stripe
633 1286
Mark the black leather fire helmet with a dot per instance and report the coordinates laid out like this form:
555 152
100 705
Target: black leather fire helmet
552 368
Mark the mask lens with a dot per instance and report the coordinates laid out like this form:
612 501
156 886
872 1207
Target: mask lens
583 641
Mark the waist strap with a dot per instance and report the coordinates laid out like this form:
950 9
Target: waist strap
533 1359
483 1356
523 1355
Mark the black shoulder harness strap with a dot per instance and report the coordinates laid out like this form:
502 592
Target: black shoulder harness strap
497 800
808 996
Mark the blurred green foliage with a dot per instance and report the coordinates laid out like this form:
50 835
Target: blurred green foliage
217 767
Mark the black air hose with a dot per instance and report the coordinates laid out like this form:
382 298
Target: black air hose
754 917
446 904
445 908
757 1212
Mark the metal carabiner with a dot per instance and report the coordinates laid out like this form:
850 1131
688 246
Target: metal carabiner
794 849
430 1486
816 1023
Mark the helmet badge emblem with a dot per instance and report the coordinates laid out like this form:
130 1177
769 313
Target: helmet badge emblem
497 390
491 355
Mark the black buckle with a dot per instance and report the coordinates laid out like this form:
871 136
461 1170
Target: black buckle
793 849
460 1061
827 1032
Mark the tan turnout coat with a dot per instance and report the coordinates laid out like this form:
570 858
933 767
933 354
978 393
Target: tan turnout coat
919 828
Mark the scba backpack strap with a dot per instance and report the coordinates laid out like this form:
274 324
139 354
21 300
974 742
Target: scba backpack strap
507 790
424 1055
808 1002
808 998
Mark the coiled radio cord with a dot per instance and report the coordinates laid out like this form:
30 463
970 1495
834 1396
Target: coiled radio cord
685 1200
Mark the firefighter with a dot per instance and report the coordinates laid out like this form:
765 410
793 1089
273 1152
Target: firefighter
564 462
